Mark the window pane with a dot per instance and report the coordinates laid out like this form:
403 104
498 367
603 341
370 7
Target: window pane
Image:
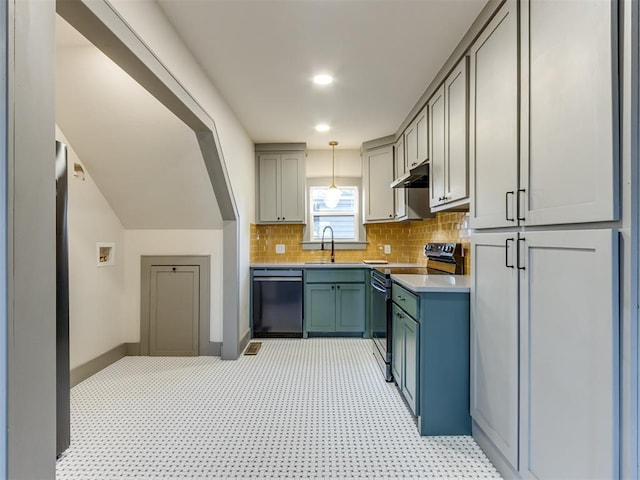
348 200
343 226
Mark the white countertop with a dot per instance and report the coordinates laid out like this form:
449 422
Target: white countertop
332 265
434 283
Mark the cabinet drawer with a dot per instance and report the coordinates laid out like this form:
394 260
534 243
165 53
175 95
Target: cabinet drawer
343 275
405 299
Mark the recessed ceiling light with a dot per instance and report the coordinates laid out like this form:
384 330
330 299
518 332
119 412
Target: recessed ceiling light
323 79
323 127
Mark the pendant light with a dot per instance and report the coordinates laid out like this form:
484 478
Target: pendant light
332 195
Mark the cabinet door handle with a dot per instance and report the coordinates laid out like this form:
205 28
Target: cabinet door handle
283 218
338 287
506 206
518 255
332 287
521 190
506 252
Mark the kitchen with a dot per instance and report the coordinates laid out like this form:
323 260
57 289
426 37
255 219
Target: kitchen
540 241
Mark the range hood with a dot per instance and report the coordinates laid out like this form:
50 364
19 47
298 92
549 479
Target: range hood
417 177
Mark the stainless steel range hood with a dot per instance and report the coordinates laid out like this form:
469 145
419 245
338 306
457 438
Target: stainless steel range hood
417 177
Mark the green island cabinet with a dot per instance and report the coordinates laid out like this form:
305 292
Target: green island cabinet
334 301
430 358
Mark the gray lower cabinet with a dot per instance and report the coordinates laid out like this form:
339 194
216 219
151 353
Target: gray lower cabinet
545 352
335 301
430 358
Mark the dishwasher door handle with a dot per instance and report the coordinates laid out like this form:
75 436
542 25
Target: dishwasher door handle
277 279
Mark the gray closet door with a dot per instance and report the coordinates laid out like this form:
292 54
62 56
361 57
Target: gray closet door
174 310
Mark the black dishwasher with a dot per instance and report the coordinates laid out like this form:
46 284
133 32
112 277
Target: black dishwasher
277 303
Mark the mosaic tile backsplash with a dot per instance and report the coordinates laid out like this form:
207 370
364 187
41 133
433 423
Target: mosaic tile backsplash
406 239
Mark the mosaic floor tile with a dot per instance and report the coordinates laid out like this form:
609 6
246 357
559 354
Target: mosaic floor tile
313 408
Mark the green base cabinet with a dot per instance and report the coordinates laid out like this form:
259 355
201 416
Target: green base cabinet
320 307
404 360
335 308
430 358
444 364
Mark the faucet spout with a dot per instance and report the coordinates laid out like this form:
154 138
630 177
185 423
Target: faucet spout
333 251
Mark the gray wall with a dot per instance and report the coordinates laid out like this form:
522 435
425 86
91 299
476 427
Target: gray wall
31 241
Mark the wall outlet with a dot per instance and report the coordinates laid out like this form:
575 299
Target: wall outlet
280 248
387 249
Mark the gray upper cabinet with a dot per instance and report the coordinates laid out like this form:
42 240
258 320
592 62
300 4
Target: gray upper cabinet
437 149
281 186
399 158
456 179
552 157
493 121
378 173
416 141
569 126
410 203
399 165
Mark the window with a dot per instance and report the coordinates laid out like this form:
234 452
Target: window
343 219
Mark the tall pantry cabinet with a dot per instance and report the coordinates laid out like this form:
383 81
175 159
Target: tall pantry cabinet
544 301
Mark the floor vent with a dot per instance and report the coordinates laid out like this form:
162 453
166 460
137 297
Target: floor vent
253 348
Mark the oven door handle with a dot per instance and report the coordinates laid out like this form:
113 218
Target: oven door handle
378 288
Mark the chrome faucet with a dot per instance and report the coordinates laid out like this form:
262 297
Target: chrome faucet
333 251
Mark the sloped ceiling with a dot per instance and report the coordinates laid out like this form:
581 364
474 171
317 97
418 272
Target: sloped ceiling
262 54
146 162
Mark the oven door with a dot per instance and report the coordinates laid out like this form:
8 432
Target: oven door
380 332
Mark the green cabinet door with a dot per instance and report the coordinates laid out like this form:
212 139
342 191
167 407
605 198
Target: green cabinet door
350 306
411 349
397 352
320 307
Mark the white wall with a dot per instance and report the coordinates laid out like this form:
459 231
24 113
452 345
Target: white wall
348 163
146 18
171 242
96 294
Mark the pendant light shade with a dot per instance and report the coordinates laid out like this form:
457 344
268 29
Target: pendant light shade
333 194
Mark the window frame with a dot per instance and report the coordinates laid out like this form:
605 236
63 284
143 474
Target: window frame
354 213
308 242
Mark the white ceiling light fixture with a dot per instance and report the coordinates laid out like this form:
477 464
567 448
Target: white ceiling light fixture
323 79
322 127
333 194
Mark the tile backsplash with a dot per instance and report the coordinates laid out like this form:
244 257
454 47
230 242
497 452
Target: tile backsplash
406 239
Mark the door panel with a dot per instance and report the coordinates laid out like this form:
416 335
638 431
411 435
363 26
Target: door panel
379 174
268 185
397 339
411 372
174 319
320 308
437 145
350 305
456 87
570 335
494 121
494 341
292 187
569 124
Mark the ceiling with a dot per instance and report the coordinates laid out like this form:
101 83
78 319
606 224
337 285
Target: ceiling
262 54
145 161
